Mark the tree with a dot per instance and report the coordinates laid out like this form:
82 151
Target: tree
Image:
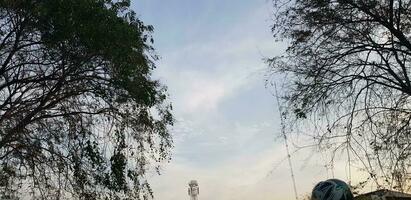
80 115
348 71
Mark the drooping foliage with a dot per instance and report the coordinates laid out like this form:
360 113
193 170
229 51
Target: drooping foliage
348 71
80 115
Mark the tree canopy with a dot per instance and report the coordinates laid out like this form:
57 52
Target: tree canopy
348 71
80 115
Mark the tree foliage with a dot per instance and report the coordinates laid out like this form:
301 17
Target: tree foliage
348 71
80 115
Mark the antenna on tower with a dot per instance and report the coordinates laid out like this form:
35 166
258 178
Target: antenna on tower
193 190
285 141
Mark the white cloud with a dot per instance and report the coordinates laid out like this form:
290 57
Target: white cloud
205 97
201 77
203 94
202 74
231 156
203 88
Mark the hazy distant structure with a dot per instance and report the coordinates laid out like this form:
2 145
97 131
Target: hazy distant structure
193 190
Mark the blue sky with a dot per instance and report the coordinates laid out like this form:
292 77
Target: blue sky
226 134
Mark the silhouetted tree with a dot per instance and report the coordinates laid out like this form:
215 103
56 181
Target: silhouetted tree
348 71
80 115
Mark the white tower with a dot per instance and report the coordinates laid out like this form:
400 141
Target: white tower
193 190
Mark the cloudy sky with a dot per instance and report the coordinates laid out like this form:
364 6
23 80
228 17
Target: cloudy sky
226 134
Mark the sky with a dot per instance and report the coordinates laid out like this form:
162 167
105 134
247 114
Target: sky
227 129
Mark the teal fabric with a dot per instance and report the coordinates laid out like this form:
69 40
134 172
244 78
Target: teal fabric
332 189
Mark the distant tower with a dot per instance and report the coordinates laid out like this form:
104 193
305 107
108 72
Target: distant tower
193 190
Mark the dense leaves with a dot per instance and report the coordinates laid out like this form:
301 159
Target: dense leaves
348 69
80 116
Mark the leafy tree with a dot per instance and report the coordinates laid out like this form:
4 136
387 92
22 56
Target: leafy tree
348 71
80 115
